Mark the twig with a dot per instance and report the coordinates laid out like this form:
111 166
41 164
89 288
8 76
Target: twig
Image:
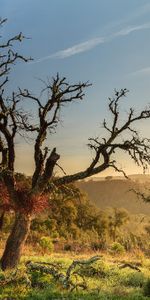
128 265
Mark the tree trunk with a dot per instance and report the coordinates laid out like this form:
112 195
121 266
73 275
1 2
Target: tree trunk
16 241
2 220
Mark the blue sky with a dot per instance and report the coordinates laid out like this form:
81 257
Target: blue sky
104 41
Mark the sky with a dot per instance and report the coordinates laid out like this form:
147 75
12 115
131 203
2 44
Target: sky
106 42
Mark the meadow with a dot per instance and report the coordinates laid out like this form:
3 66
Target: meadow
111 277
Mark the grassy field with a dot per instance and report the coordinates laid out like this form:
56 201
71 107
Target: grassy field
104 279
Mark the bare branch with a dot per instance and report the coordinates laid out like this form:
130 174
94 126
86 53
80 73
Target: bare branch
8 56
58 92
137 148
2 21
61 168
119 170
26 94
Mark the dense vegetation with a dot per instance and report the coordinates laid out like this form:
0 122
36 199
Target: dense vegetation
71 222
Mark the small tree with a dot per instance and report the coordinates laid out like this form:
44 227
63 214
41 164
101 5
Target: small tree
25 200
117 220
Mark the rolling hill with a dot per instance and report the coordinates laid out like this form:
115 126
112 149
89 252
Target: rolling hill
117 192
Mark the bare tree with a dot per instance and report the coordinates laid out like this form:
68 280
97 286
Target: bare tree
13 120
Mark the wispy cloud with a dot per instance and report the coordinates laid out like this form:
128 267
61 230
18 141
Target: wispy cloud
78 48
92 43
130 29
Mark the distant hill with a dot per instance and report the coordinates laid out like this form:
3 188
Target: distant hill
116 192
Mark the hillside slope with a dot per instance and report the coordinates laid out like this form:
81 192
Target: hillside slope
115 193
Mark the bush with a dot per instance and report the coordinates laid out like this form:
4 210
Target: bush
97 246
133 279
146 288
98 269
46 243
67 247
117 248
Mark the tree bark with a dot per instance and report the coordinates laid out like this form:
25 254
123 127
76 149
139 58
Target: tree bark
16 240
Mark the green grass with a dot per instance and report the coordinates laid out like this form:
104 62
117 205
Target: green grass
105 281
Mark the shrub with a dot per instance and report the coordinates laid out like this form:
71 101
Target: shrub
67 247
34 237
99 269
97 246
117 248
146 288
134 279
46 243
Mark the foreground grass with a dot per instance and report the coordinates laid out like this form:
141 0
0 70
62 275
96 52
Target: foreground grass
104 279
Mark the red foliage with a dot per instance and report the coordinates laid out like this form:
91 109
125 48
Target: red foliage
39 203
31 203
26 203
5 202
